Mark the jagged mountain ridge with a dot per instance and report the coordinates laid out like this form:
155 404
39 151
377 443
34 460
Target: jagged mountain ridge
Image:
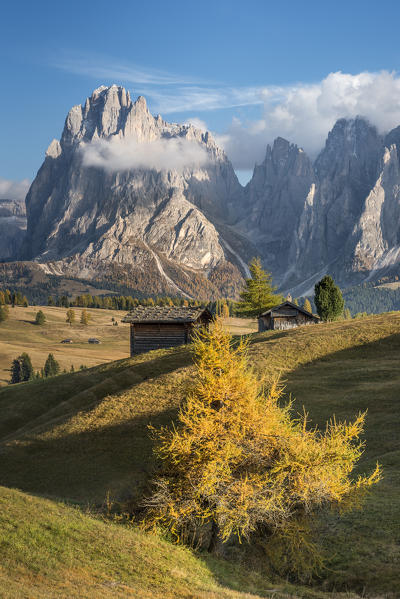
338 215
191 230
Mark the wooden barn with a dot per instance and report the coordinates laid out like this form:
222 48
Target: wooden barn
156 327
285 316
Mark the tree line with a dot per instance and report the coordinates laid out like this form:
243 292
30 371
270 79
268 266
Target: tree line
22 370
258 294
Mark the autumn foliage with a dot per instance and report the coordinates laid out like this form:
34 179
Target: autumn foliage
238 464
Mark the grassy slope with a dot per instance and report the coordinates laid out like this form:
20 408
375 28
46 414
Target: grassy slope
80 436
50 550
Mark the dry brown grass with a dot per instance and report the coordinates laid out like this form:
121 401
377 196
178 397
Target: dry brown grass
19 334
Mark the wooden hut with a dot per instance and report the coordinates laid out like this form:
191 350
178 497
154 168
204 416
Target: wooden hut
285 316
156 327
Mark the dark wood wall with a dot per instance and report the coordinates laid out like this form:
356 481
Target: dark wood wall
145 337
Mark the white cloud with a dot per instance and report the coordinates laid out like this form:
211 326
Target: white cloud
305 113
163 154
302 112
13 190
166 92
196 122
101 67
190 98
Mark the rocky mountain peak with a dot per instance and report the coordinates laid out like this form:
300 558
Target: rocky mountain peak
353 145
100 200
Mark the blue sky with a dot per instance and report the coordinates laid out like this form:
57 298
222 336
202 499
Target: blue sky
248 71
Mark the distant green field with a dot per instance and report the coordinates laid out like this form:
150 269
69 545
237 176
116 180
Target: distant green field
83 436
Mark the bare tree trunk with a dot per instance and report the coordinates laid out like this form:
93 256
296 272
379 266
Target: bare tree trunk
216 545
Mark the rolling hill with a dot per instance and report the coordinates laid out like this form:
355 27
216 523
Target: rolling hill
81 437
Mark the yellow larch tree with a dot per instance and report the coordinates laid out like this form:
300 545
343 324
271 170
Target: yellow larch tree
238 464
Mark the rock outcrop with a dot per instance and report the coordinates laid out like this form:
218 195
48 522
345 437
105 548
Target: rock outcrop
12 227
275 200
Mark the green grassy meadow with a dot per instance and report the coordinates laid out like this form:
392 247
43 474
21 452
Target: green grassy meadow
69 442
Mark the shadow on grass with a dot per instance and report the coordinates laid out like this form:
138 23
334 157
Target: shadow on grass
29 405
86 466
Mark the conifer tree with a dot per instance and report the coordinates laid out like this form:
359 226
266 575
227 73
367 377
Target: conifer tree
328 299
15 371
307 305
51 367
258 293
238 464
40 318
27 373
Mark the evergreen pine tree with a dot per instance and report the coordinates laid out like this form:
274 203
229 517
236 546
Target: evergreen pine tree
258 293
15 371
51 367
328 299
40 318
27 373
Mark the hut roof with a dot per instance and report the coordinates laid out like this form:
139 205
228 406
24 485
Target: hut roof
290 305
166 314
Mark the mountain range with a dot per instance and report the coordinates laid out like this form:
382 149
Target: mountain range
128 197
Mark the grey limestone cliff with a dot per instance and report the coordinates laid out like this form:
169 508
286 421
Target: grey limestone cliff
84 217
